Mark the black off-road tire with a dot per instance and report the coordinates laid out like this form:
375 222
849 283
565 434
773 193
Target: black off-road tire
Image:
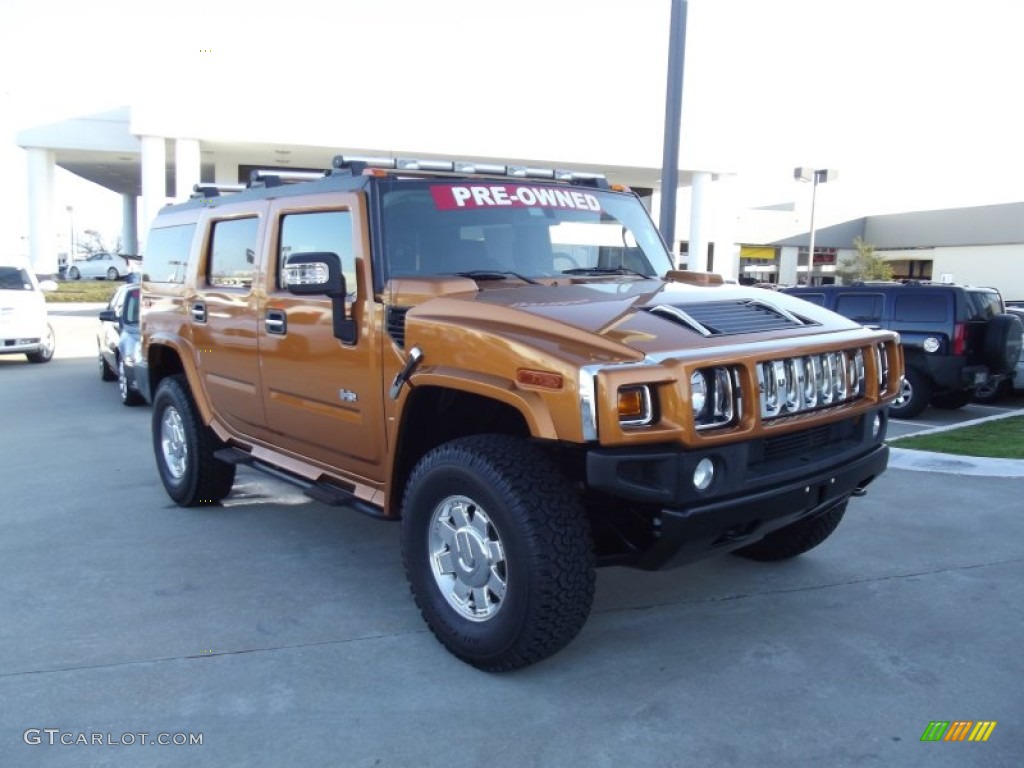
795 539
201 479
992 391
915 393
541 532
1004 337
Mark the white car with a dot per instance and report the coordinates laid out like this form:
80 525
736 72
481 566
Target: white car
24 328
105 265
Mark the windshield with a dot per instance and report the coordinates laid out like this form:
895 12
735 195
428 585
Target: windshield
530 230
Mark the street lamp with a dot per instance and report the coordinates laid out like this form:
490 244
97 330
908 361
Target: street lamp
817 176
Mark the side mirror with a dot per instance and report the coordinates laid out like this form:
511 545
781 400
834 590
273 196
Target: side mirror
109 316
314 273
49 286
318 273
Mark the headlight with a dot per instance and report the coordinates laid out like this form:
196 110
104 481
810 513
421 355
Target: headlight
714 397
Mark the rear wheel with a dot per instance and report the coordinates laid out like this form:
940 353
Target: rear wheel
184 448
992 391
797 538
915 392
112 274
46 347
497 551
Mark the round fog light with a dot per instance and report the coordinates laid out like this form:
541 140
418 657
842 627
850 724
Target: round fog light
876 427
703 474
931 344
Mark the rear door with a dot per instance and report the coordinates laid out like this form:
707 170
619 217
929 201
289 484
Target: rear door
223 315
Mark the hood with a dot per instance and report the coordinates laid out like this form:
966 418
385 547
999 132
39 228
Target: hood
634 318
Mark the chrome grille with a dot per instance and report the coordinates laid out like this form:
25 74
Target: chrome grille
798 384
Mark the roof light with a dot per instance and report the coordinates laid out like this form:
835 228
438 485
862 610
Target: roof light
410 164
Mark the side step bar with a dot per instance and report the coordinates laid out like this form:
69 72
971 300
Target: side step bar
326 493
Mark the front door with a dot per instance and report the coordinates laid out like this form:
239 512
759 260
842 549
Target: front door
322 397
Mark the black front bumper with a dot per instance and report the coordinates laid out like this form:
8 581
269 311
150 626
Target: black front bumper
759 487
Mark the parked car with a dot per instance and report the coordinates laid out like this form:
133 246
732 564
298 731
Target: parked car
109 266
24 328
998 387
955 338
118 342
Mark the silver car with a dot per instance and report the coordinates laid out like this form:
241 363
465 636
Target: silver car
109 266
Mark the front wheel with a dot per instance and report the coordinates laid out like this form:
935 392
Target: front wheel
47 345
129 396
184 448
795 539
497 551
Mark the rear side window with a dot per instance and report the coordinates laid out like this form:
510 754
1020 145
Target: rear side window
14 279
233 253
862 307
922 308
166 254
983 305
329 231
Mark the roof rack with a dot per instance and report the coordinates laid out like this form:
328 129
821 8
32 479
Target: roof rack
355 164
202 191
275 178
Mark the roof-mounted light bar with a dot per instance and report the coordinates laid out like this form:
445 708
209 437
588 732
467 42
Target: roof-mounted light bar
356 163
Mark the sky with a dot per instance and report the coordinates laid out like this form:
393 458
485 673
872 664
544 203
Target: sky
915 103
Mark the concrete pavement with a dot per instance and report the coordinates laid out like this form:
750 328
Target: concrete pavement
282 630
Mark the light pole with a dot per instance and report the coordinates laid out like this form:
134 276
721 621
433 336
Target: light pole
816 176
71 239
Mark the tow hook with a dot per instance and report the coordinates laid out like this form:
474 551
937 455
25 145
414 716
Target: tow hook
415 355
858 492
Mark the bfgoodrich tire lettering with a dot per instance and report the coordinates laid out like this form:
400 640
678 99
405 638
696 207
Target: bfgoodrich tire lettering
795 539
184 448
515 512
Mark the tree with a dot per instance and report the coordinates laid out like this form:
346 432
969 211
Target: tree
866 265
92 242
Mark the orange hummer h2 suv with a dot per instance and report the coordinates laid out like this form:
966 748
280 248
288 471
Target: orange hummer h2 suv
505 360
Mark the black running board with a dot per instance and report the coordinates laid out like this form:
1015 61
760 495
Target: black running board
326 493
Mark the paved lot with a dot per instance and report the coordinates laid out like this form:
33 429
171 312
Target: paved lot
282 630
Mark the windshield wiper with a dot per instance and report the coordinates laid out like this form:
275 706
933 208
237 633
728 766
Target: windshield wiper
493 274
604 271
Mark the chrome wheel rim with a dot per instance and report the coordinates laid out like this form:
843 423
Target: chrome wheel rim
122 380
906 392
172 443
47 345
467 558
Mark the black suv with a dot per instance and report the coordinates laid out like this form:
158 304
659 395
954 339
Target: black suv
955 337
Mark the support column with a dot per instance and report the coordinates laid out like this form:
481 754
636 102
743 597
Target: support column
787 265
42 242
699 216
225 171
186 167
727 255
129 224
154 179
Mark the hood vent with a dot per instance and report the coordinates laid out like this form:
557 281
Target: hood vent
396 324
722 318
